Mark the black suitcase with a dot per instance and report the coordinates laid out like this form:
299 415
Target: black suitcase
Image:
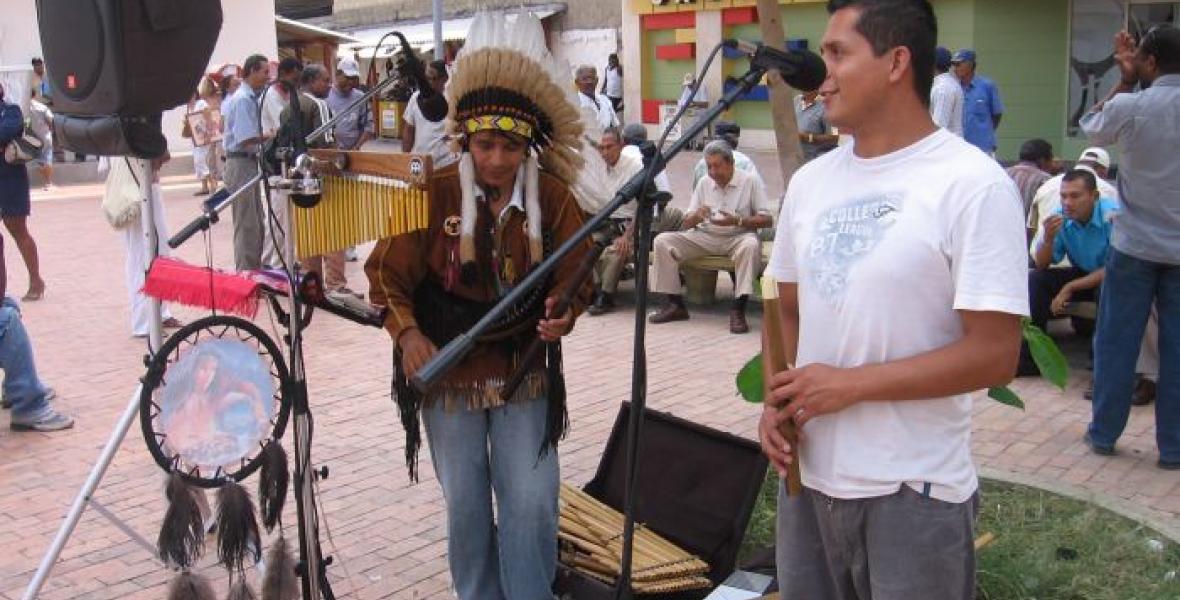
697 488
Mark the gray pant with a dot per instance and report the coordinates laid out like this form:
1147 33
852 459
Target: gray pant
902 546
247 213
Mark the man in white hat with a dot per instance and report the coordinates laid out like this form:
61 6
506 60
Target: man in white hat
1047 200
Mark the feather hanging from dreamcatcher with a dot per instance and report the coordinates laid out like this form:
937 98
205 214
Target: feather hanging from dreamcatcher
273 480
240 589
190 586
238 541
280 581
182 534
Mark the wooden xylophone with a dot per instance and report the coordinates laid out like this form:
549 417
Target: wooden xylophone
366 196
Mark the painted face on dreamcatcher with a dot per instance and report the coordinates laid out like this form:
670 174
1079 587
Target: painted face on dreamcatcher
216 408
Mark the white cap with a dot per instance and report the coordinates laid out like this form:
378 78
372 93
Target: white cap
1096 154
348 67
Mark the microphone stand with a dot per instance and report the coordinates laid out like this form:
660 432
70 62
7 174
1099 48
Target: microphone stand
454 352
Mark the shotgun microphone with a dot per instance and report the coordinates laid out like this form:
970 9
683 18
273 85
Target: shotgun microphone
801 69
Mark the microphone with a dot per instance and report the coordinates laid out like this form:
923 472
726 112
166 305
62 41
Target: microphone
432 104
801 69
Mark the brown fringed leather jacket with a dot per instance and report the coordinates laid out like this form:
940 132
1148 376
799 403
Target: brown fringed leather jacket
417 276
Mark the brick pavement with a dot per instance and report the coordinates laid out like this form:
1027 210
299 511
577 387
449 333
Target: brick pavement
389 534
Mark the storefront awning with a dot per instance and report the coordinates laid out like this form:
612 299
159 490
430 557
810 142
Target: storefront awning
421 34
295 32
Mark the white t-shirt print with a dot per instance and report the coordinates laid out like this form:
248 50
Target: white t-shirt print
885 251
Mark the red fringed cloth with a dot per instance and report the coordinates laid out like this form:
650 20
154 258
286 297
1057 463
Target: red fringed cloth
172 280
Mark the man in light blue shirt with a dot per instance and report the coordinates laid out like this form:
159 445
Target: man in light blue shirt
1080 230
1144 262
982 108
243 141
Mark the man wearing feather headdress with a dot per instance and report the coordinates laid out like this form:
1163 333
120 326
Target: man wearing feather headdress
494 216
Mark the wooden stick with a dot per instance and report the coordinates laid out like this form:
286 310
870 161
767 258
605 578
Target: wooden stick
774 360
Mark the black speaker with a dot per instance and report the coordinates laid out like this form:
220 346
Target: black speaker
126 57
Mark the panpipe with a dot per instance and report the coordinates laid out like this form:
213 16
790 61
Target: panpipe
591 541
366 196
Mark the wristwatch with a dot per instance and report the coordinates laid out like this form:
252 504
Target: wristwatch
739 223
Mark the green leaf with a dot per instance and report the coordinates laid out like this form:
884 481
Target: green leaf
1003 395
749 380
1047 355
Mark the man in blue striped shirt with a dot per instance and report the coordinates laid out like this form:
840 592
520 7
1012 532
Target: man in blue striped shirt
243 142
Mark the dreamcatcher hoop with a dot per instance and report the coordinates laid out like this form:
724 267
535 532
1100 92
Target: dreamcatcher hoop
226 400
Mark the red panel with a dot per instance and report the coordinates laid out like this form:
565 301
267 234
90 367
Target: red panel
672 20
739 16
676 51
651 111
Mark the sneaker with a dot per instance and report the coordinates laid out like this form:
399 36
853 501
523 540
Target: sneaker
50 421
737 322
1095 448
350 254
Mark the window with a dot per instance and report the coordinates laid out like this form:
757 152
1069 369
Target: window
1092 72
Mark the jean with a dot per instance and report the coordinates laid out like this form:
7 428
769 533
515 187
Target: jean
22 387
1130 287
478 453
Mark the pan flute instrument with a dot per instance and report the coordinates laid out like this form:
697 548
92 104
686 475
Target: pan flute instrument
366 196
591 541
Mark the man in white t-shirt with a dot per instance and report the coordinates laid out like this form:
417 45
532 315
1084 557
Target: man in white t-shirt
946 94
903 277
421 135
586 78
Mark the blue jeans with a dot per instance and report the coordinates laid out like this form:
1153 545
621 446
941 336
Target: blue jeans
480 452
22 387
1130 287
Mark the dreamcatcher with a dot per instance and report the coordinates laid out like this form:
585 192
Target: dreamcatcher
213 410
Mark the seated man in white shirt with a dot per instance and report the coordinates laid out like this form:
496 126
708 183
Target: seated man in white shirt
730 133
620 168
727 209
586 78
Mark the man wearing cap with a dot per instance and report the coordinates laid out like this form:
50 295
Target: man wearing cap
1144 262
356 127
1047 200
982 108
946 94
243 141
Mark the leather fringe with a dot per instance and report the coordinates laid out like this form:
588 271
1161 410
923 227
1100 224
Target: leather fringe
409 404
557 419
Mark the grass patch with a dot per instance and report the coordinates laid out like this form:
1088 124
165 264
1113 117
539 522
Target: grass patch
1047 547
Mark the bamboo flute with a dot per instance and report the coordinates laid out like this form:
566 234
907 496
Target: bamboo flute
774 359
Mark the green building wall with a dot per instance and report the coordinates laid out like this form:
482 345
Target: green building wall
1022 46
